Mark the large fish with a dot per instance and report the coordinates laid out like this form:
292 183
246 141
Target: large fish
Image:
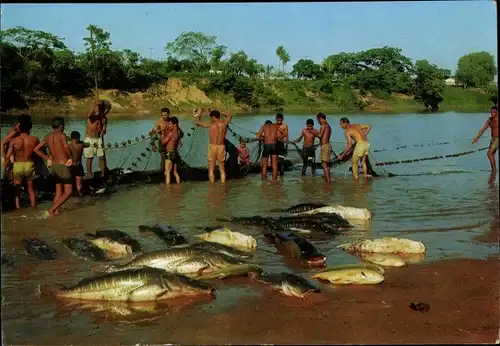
289 284
169 235
345 212
117 236
111 247
85 249
331 219
236 240
182 260
39 249
233 270
306 224
221 248
294 246
257 221
145 284
300 208
385 245
360 274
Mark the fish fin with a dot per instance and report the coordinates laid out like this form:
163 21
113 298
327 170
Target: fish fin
50 289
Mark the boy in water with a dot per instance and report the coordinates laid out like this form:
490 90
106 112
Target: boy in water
243 154
281 147
59 162
309 133
269 132
22 148
170 140
76 146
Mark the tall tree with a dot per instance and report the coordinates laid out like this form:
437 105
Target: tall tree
429 84
194 46
476 69
283 56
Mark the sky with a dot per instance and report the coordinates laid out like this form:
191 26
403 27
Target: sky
439 31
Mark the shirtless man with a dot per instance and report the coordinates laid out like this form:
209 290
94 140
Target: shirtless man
308 150
170 140
22 148
216 148
159 127
326 147
13 132
94 135
76 146
492 123
281 148
59 162
357 133
269 132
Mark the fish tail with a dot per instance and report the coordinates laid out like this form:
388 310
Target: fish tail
49 289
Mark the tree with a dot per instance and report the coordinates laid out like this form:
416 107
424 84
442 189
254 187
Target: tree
476 69
216 58
283 56
429 84
306 68
194 46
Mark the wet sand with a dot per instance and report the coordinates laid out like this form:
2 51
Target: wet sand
463 296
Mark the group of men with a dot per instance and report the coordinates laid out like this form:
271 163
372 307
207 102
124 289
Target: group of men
21 160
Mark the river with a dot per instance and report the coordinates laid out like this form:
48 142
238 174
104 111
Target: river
443 203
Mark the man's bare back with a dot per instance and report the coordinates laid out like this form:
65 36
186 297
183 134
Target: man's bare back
325 133
59 148
270 133
217 132
76 152
355 131
23 146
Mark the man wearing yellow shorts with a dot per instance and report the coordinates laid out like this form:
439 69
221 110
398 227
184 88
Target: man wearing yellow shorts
356 133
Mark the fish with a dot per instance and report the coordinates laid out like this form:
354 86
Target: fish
85 249
236 240
299 208
111 247
211 228
39 249
385 245
118 236
361 274
289 284
257 221
382 259
182 260
331 219
294 246
305 224
233 270
134 285
345 212
221 248
6 261
169 235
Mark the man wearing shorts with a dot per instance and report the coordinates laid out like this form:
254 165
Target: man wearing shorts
94 135
357 133
170 140
309 133
281 147
216 152
492 123
326 147
76 146
269 132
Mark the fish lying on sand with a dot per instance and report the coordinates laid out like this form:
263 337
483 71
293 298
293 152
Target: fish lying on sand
382 259
289 284
361 274
345 212
85 249
169 235
145 284
237 240
111 247
182 260
300 208
233 270
256 221
39 249
294 246
118 236
311 223
385 245
221 248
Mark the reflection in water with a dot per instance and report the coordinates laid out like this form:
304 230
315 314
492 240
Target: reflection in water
216 196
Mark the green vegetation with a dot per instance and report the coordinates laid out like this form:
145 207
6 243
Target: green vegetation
37 69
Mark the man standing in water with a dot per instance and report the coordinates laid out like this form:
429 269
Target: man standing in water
13 132
326 147
170 140
269 132
59 162
281 148
308 150
97 124
217 135
22 148
492 123
161 128
357 133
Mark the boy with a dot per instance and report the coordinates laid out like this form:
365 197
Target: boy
76 146
243 154
309 133
269 132
22 148
59 162
170 140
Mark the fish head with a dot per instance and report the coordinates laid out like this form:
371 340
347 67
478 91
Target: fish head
309 253
181 283
372 277
297 286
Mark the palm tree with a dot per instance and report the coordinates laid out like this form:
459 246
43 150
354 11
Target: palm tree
283 56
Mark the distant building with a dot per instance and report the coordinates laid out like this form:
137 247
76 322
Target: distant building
451 81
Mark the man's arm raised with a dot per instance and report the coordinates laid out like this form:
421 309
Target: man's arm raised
197 120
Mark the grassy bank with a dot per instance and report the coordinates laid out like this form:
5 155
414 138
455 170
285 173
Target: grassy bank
299 97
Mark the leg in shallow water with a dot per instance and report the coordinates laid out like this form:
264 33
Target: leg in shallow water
32 193
365 167
162 162
491 157
59 191
168 169
211 167
264 168
102 166
17 190
176 175
355 162
67 192
326 171
222 171
274 165
78 184
89 167
313 167
304 167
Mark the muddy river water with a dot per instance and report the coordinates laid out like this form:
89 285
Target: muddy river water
443 203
